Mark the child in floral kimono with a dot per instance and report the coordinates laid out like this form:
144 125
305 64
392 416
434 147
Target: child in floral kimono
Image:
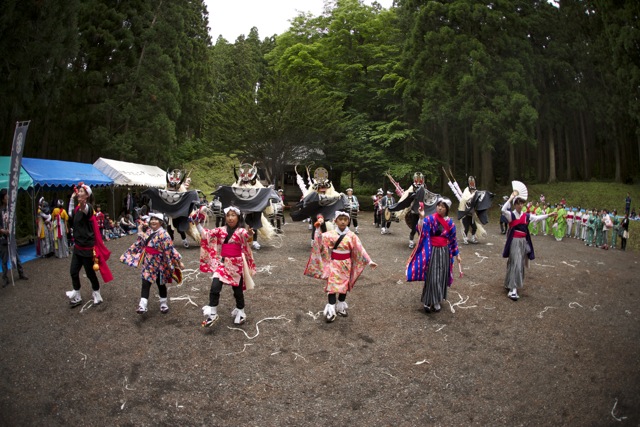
154 252
339 257
226 252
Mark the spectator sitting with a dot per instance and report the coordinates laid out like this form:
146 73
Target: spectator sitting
125 222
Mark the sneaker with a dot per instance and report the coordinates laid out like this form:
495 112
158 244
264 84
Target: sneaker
474 239
97 298
240 316
383 231
74 298
464 240
164 308
411 244
513 294
427 309
357 230
341 308
256 245
185 243
330 312
436 307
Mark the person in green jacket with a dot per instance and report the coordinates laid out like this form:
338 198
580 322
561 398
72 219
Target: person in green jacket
598 224
616 228
591 227
549 220
561 220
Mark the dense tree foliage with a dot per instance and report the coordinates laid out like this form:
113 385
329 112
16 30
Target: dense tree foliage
506 89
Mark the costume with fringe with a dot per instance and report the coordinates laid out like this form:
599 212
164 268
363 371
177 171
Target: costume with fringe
233 265
59 231
341 274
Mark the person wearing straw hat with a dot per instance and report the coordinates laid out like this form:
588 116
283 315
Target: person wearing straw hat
518 247
158 259
226 252
432 259
338 257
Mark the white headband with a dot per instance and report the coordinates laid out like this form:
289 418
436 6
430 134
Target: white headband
445 200
156 215
341 213
231 208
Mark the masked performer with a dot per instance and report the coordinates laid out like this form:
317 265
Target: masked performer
157 258
432 260
339 258
408 206
89 250
226 252
253 199
518 248
321 201
177 204
473 204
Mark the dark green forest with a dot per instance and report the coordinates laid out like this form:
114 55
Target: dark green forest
505 89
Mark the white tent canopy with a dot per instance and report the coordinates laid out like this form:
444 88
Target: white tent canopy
132 174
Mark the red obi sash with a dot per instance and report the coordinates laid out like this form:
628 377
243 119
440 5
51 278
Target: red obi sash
151 251
339 256
82 248
231 250
519 234
439 241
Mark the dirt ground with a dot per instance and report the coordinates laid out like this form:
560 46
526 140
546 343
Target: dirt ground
566 353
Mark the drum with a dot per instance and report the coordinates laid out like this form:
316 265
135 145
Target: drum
390 216
352 208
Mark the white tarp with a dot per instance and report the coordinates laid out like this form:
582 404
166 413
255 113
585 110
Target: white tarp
132 174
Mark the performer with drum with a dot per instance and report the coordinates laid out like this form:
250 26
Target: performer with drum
353 208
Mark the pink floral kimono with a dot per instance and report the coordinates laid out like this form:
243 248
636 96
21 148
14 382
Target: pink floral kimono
342 267
238 260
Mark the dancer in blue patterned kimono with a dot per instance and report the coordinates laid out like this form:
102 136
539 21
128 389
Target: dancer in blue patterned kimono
432 259
157 258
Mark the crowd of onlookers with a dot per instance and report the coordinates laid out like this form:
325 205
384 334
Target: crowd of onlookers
600 228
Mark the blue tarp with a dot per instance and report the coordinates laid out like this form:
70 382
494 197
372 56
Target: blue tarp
57 173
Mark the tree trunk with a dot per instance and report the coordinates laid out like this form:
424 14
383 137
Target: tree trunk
445 144
552 156
585 153
567 149
616 154
541 157
487 169
512 163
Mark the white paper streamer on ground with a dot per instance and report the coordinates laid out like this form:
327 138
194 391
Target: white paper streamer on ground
184 298
614 415
544 311
459 303
482 258
282 316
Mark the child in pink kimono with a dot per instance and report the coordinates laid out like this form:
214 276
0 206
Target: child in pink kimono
339 257
226 252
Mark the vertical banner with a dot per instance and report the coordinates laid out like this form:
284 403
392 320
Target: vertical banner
19 138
